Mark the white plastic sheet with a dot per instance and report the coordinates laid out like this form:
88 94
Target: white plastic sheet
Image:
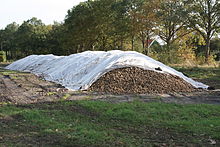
80 71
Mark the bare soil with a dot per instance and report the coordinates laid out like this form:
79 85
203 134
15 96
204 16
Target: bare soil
25 88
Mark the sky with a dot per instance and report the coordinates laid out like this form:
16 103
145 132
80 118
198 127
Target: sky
46 10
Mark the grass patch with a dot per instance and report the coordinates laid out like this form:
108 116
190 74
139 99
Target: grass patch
96 123
51 93
66 96
210 76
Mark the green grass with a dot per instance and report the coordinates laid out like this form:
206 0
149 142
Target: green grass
96 123
210 76
66 96
51 93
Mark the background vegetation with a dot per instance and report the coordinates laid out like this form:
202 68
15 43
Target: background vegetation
188 29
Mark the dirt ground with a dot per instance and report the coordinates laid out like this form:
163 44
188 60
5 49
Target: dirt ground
25 88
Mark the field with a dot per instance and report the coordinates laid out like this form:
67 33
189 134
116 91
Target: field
34 112
210 76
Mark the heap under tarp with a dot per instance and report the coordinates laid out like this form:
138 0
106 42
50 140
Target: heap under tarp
80 71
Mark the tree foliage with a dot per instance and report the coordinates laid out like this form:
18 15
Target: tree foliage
204 16
171 23
120 24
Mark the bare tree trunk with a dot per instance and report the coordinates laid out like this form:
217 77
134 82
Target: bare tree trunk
207 51
147 45
132 43
1 46
168 44
143 46
122 44
104 44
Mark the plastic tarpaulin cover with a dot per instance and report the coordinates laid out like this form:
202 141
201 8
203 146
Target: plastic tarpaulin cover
80 71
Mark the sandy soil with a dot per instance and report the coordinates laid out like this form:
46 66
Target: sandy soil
24 88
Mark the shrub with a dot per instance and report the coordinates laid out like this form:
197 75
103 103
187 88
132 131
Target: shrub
211 60
2 56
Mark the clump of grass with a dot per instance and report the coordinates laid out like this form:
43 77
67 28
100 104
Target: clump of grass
66 96
5 103
51 93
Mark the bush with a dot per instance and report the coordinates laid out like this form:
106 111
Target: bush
169 55
211 60
2 56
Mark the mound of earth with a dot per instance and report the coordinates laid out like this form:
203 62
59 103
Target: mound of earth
134 80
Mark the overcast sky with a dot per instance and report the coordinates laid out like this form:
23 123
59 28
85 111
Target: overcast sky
46 10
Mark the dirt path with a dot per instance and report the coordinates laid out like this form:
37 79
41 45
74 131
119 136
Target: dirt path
24 88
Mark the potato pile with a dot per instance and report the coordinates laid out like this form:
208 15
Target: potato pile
134 80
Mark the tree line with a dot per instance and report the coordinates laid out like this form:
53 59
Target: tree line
187 28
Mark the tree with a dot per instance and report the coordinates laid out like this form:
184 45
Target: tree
171 23
55 39
120 24
7 39
215 47
82 27
2 40
147 20
132 8
96 25
105 17
31 37
204 16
